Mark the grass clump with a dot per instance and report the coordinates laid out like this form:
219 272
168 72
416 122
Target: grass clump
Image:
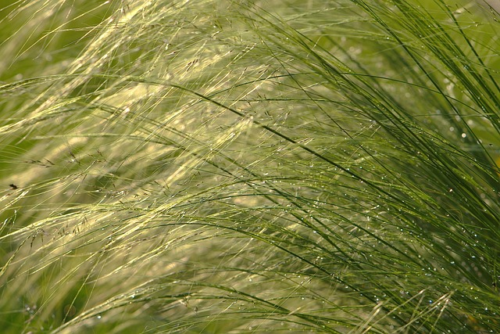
247 167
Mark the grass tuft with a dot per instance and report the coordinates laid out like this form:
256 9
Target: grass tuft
249 167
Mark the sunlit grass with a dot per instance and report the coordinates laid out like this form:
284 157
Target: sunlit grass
242 167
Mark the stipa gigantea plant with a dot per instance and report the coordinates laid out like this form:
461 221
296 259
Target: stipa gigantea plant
208 166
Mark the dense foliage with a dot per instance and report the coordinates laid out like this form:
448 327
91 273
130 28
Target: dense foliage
216 166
